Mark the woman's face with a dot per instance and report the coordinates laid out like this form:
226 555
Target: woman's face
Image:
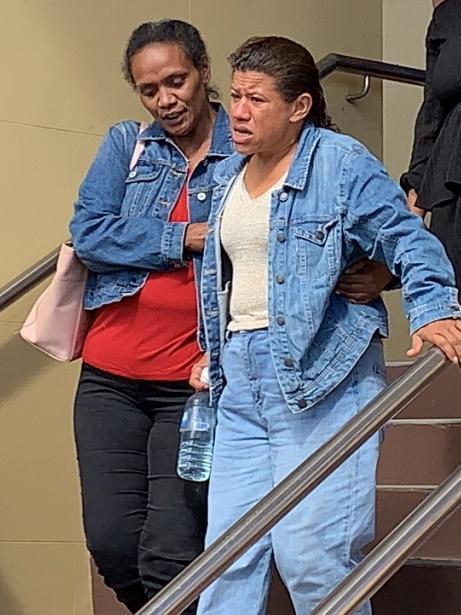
170 87
262 121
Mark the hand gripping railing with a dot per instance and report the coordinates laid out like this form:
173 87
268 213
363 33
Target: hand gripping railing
187 586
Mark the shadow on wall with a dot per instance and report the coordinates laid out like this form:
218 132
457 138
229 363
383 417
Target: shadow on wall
8 603
104 600
20 364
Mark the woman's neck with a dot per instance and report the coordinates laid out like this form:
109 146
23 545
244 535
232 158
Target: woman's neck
265 169
196 144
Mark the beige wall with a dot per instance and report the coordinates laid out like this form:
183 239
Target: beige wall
61 88
404 27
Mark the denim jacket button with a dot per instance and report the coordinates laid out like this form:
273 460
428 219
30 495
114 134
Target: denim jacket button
279 279
302 403
201 196
288 362
280 320
320 235
132 174
281 237
283 196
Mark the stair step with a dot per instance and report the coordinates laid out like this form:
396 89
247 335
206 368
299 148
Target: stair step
440 399
393 505
421 588
416 453
279 599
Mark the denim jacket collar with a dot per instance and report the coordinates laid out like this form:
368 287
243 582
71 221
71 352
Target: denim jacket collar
299 169
221 142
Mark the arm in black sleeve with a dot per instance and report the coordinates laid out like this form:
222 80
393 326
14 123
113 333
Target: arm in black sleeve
428 122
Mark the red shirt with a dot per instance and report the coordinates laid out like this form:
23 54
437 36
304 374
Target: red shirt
151 335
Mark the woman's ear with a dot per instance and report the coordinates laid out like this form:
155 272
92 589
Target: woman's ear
206 75
301 108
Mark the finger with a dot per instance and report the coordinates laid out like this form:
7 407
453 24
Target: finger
416 346
362 298
448 339
194 379
444 345
357 266
453 336
354 297
357 286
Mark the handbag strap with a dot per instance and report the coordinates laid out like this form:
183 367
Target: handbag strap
139 147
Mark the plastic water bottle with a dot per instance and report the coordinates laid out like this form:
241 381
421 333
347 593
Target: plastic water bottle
197 437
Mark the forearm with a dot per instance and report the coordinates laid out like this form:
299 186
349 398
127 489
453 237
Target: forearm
107 243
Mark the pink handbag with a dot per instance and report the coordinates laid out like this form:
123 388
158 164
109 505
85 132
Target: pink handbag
58 323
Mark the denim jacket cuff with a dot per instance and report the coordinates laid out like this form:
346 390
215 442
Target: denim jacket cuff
173 242
425 314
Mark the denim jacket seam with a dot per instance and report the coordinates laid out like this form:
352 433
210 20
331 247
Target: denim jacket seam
417 310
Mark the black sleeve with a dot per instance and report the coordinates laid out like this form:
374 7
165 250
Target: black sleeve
428 122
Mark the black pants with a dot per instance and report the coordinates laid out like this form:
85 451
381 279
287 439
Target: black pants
143 524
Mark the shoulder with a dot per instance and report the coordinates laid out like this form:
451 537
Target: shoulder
344 152
345 144
120 138
124 130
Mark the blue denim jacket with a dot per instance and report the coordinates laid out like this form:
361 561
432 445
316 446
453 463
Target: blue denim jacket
337 204
120 227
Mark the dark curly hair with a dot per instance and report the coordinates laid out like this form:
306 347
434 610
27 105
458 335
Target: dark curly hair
170 32
292 67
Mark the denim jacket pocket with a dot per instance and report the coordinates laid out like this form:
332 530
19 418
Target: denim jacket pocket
140 187
317 247
144 171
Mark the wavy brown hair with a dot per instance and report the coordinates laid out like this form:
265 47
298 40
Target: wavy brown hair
292 67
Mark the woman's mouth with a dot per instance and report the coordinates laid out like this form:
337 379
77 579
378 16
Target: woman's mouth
173 117
241 135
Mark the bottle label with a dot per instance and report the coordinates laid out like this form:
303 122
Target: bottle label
187 425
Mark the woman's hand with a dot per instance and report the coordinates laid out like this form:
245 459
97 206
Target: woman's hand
196 374
445 334
363 281
412 199
196 233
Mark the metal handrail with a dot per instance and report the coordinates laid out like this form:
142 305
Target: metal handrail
391 553
373 68
188 585
330 63
28 279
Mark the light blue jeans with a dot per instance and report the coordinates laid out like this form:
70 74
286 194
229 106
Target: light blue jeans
258 442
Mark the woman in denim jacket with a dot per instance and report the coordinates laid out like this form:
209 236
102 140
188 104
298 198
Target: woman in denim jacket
141 235
291 360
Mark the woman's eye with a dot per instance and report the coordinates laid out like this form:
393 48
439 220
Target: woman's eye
176 82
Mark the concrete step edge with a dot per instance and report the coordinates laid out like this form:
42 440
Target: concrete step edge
406 488
436 422
429 562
